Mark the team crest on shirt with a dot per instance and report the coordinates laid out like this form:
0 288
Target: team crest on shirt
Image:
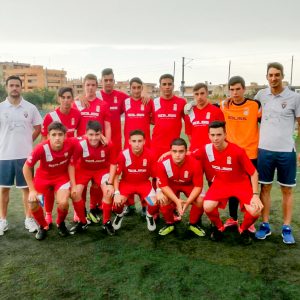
97 108
283 105
144 162
175 107
26 114
186 174
102 153
208 115
66 154
228 160
246 112
115 99
73 121
142 107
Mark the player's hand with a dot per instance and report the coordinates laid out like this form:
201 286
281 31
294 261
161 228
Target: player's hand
84 102
33 196
164 155
179 207
117 200
73 191
145 99
188 107
103 140
185 207
161 198
256 203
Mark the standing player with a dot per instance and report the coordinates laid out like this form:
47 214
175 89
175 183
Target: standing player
242 116
20 125
168 116
95 161
55 171
231 168
178 173
280 110
199 116
135 165
68 116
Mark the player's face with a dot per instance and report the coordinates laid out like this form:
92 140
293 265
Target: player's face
56 138
200 97
108 83
14 88
90 88
66 101
236 92
217 137
178 154
94 137
274 77
136 90
166 87
137 143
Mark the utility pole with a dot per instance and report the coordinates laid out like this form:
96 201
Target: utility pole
174 69
182 78
292 66
229 67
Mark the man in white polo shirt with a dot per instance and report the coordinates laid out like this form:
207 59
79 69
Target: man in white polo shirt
280 111
20 125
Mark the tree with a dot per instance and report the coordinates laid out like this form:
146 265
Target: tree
39 97
3 93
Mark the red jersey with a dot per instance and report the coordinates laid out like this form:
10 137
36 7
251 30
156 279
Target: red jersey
135 168
168 115
230 165
94 158
137 116
188 174
97 111
197 121
70 120
115 101
52 163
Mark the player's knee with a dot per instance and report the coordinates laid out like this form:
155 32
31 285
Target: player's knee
208 206
266 188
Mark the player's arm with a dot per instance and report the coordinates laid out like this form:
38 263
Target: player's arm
255 201
107 130
192 197
28 175
168 192
71 172
117 195
110 181
36 131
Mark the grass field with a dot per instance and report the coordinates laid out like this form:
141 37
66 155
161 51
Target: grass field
135 264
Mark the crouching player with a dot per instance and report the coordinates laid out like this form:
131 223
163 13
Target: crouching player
95 161
136 166
55 172
231 168
176 173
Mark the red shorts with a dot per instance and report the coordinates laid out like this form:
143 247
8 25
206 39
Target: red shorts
42 185
186 189
221 192
143 189
98 176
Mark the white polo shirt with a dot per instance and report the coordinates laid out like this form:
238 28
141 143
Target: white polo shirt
279 113
16 127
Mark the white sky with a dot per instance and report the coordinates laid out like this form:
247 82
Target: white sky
144 38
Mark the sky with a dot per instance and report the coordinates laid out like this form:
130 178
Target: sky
145 38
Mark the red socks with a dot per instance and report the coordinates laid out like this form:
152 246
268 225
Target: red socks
39 217
49 201
61 215
79 208
106 208
195 214
214 216
248 221
96 196
168 213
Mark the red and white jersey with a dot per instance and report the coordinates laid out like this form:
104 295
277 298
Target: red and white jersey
137 116
97 111
94 158
136 168
70 120
52 163
227 166
197 121
115 101
168 115
171 174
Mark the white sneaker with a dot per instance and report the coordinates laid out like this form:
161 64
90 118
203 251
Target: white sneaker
118 221
3 226
31 225
150 222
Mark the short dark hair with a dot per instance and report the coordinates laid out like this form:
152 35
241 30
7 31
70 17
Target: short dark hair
63 90
137 132
57 126
235 80
90 77
94 125
199 86
275 65
136 80
107 71
13 77
166 76
179 142
217 124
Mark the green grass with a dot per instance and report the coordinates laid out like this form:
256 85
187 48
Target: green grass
136 264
